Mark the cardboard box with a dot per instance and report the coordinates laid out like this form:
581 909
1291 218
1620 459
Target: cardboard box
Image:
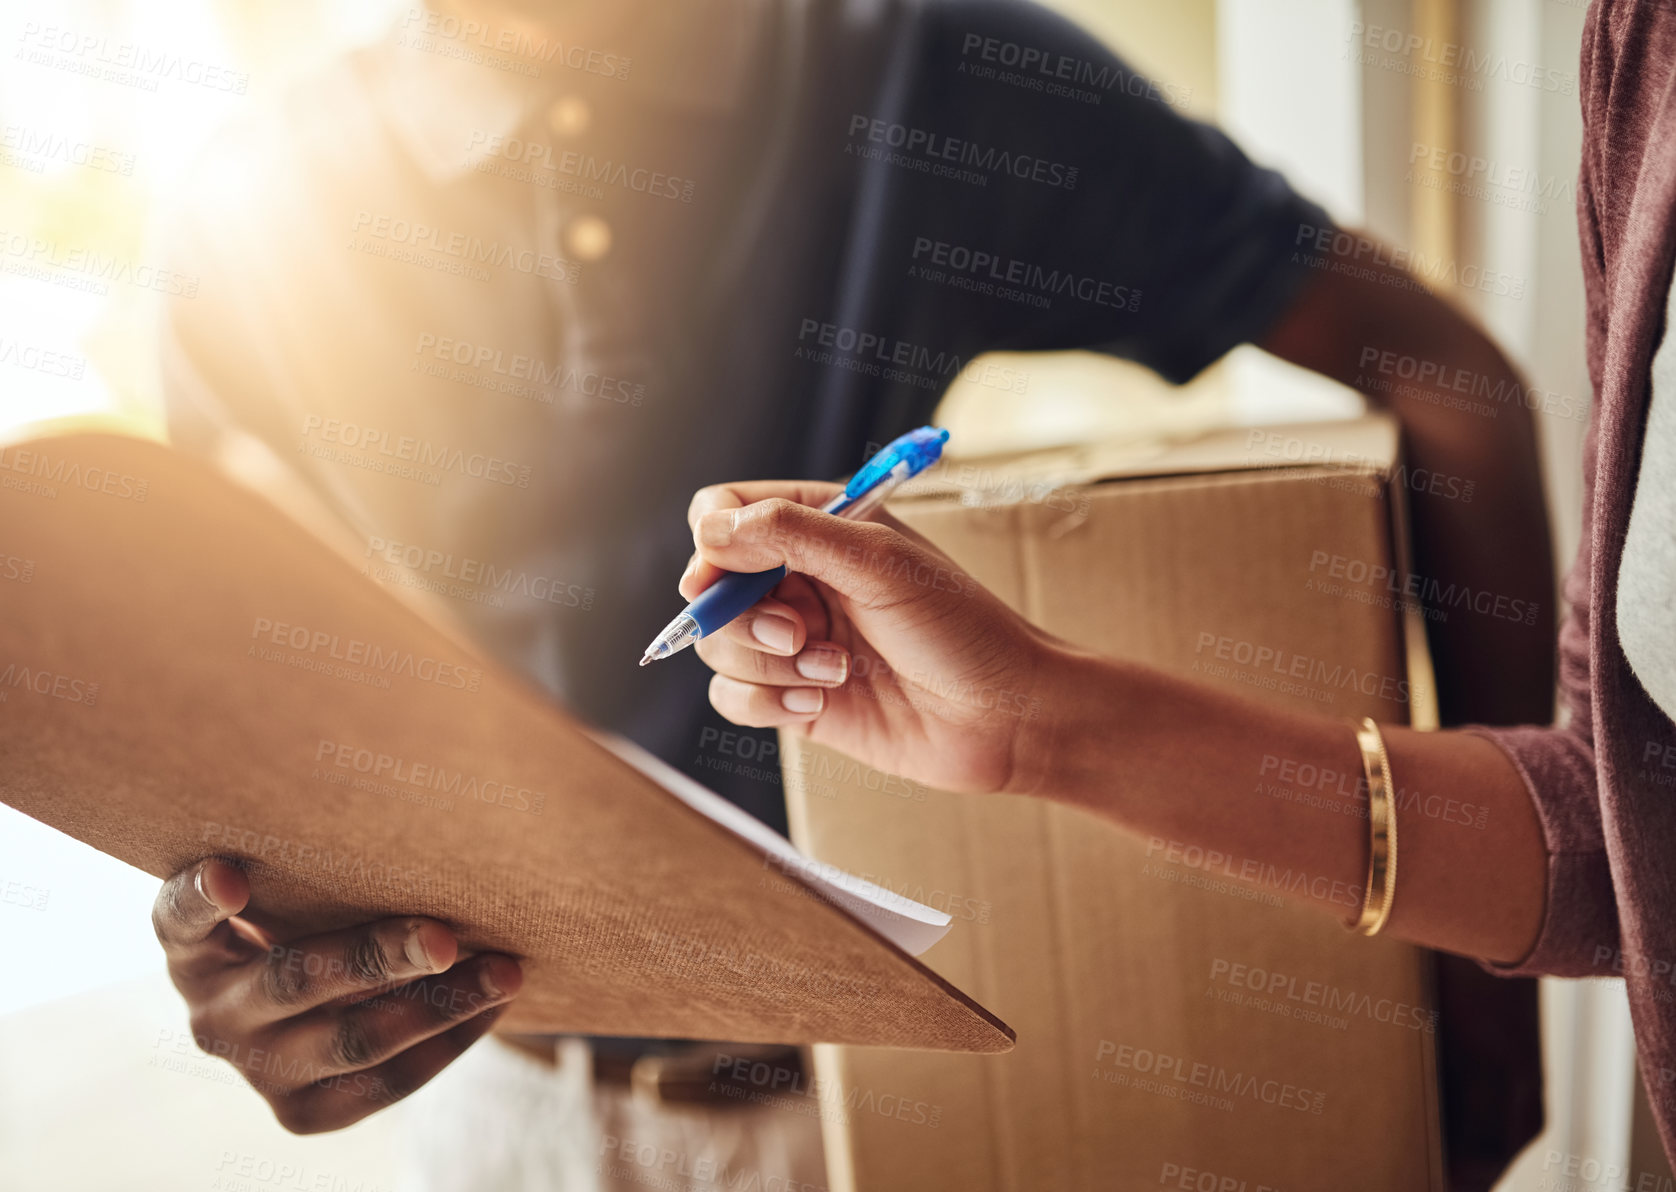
1177 1028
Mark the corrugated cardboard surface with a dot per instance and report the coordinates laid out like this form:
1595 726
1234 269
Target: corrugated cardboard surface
183 672
1141 1061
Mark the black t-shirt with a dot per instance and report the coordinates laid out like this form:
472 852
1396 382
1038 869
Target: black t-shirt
505 314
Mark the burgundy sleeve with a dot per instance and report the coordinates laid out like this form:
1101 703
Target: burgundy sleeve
1579 935
1580 930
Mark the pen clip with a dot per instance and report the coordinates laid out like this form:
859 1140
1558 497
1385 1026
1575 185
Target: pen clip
909 454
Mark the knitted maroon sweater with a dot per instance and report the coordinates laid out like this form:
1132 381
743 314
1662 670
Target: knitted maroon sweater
1605 785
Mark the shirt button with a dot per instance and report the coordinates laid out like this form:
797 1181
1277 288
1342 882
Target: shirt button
587 238
569 117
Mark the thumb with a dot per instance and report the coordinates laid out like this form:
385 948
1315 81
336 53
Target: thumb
870 564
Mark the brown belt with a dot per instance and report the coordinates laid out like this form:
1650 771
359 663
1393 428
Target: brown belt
716 1074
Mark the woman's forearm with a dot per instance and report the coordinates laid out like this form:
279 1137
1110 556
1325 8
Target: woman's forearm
1274 797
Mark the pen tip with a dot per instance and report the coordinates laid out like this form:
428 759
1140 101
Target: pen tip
646 660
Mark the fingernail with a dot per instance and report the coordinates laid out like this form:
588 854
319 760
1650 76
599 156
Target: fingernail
823 664
414 949
500 976
805 701
715 529
773 631
201 884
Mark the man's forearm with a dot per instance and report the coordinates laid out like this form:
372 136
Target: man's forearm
1483 563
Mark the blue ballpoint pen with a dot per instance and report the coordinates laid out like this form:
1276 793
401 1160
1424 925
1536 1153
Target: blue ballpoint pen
737 591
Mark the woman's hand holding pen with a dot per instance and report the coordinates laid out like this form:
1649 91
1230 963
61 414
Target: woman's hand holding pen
876 644
879 646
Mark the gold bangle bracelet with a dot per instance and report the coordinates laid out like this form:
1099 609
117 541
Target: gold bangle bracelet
1382 830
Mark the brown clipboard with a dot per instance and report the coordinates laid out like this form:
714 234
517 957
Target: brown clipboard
182 667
